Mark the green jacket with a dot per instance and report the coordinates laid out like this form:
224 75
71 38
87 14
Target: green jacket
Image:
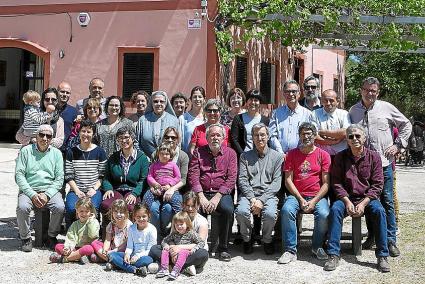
37 172
136 178
80 234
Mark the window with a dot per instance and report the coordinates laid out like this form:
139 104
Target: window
241 73
336 84
320 77
137 70
268 82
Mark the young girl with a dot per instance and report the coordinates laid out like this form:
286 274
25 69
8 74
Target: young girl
79 236
33 117
141 237
116 233
183 239
163 174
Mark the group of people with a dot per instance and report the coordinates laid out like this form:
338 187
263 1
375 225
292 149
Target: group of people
156 175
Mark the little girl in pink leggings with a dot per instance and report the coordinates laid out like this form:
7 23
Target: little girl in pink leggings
178 245
80 235
116 233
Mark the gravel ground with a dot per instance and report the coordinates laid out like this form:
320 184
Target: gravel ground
34 267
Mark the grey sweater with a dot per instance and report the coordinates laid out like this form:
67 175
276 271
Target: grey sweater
260 177
190 237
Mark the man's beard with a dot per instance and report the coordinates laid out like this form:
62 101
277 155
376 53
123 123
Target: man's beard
307 142
311 95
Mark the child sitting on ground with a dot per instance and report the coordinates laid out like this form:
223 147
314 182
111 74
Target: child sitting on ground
141 237
33 116
179 245
79 236
116 234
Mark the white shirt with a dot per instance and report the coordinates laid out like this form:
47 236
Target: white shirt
199 221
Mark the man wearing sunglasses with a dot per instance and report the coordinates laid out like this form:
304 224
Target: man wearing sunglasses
311 98
379 118
39 176
357 180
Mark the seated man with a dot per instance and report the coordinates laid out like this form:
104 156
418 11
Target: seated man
39 176
357 179
260 175
306 178
212 175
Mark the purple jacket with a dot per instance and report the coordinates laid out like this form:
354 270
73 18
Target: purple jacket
357 177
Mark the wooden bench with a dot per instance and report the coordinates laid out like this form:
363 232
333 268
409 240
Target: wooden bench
41 226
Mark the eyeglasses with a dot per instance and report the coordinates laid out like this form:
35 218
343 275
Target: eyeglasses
290 91
50 100
42 135
370 91
352 136
168 137
92 108
158 102
213 110
122 138
64 92
310 87
114 106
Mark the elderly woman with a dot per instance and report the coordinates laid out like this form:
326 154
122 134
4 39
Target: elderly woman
158 116
194 117
212 110
84 170
108 127
196 261
140 100
125 173
240 134
48 97
235 100
162 211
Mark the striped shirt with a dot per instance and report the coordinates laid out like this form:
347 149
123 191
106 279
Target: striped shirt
33 118
85 167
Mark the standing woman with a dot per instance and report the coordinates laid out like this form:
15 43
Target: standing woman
235 100
240 134
48 97
126 172
194 117
84 171
140 100
151 126
212 110
108 127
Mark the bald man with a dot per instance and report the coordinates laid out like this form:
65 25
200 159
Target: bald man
66 111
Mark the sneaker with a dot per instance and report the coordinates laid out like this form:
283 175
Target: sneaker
393 249
27 245
173 275
84 260
199 269
247 247
56 258
52 242
287 257
190 270
368 244
141 271
109 266
94 258
153 268
332 263
268 248
225 256
162 273
383 264
320 254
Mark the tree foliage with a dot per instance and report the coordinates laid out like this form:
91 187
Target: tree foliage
299 32
401 76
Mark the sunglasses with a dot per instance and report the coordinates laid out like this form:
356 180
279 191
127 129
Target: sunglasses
291 91
50 100
212 110
311 87
357 136
167 137
42 135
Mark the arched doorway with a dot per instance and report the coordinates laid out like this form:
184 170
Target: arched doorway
23 67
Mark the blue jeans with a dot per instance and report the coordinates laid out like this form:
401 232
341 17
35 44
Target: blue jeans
387 201
373 211
117 258
162 212
71 200
288 215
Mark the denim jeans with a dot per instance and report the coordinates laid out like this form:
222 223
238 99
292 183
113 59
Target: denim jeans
387 201
376 215
71 200
162 212
117 258
288 215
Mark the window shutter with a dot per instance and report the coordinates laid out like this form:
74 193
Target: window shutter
137 73
265 81
241 73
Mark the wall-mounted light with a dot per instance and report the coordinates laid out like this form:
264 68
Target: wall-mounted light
61 53
204 7
83 19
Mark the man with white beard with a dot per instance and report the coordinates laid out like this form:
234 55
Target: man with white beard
311 99
306 178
